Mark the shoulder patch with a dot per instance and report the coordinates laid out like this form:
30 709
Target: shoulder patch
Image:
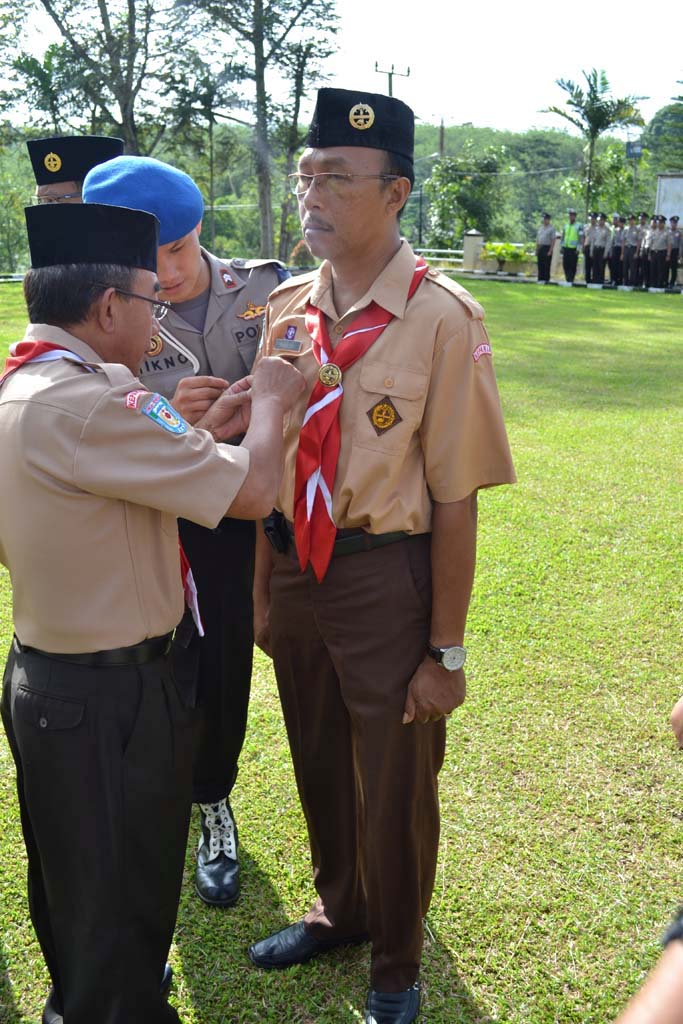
158 409
474 310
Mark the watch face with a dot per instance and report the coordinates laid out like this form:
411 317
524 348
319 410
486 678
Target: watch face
453 658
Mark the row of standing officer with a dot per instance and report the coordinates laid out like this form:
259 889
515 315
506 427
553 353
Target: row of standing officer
640 252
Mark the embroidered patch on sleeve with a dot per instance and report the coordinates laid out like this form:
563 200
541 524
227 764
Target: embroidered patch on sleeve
481 350
384 415
133 398
160 410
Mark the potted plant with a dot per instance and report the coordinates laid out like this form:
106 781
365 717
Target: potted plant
506 252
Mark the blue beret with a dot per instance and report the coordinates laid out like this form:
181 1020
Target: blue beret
142 183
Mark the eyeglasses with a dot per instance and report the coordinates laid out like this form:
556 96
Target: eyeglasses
331 181
48 200
159 308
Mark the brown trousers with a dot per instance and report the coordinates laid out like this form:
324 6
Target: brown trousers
344 652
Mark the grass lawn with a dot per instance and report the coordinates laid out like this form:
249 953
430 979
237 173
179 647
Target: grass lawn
561 849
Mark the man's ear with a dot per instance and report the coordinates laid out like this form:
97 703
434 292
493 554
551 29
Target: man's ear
198 229
397 195
104 311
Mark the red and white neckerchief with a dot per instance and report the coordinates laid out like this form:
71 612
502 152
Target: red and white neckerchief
22 352
320 435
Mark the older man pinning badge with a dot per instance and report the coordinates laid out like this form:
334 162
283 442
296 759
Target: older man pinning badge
95 470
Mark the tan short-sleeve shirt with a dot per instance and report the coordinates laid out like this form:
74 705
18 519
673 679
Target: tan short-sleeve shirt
420 415
94 473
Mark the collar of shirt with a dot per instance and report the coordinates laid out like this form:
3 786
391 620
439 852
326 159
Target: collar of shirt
58 336
389 289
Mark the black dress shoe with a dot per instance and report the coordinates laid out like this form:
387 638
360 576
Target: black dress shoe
50 1013
393 1007
217 878
294 945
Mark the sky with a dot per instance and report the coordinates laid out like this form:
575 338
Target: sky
495 63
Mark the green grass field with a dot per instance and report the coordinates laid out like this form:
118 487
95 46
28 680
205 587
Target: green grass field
561 849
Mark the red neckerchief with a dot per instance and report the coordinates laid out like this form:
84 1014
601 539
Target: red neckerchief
28 351
320 435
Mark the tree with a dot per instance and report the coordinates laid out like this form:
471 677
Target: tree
594 112
663 136
269 37
104 74
465 192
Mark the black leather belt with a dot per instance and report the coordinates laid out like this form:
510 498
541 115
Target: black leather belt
350 542
138 654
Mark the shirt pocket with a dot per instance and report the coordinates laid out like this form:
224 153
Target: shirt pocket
389 406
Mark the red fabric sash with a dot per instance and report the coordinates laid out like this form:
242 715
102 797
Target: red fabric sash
320 435
28 351
25 352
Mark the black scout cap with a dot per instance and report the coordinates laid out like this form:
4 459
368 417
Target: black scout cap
70 157
61 233
348 117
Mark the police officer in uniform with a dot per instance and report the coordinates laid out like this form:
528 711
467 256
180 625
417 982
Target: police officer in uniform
545 242
660 253
208 339
364 599
95 471
61 163
675 236
602 239
569 244
587 236
629 249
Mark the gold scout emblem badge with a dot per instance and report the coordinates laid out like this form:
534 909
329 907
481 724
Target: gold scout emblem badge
330 375
362 116
251 312
155 346
384 415
52 162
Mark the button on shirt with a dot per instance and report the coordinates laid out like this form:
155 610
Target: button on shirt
445 436
92 486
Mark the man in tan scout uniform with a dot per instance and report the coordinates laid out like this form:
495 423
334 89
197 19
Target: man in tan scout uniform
95 470
364 604
208 339
60 164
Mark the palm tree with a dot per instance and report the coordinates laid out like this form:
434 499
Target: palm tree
594 112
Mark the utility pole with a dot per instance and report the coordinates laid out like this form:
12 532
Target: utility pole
390 75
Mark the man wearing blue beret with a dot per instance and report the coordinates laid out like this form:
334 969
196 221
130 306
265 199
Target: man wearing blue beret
209 338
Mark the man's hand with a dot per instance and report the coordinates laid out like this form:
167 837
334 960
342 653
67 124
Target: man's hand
195 395
276 378
433 693
230 414
677 721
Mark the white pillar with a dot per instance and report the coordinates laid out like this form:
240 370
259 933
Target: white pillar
472 245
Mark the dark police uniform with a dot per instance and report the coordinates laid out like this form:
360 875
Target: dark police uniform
222 559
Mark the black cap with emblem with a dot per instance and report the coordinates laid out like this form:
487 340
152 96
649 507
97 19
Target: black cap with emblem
349 117
70 157
91 233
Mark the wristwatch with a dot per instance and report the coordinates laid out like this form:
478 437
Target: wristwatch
450 658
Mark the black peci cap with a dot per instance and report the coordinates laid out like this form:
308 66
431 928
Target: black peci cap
70 157
61 233
348 117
